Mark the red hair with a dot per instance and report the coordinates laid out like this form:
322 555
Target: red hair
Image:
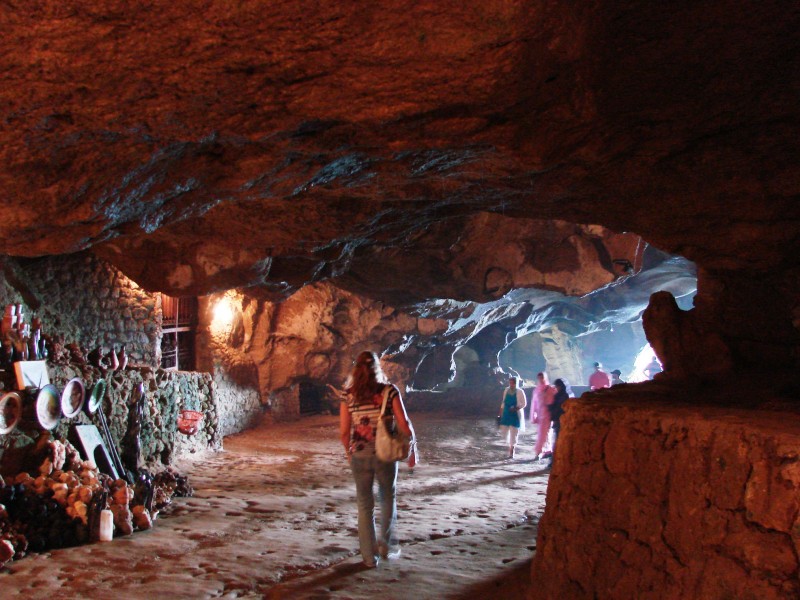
367 378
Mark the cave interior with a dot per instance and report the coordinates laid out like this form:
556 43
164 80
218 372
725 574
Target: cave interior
258 192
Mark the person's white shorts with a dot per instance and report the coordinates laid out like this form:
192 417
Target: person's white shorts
509 430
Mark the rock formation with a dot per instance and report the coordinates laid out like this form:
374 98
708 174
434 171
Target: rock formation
202 150
680 342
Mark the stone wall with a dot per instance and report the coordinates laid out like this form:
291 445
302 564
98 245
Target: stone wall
239 404
651 497
166 393
88 302
85 301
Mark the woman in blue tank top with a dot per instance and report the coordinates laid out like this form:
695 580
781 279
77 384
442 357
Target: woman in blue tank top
511 407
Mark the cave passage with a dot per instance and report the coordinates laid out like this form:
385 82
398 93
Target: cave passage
275 516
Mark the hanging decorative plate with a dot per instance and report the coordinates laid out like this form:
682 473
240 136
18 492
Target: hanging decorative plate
72 398
95 398
10 411
48 407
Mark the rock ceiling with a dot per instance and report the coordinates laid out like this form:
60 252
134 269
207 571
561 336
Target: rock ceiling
215 145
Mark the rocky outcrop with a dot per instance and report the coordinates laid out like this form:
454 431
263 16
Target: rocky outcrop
685 350
653 496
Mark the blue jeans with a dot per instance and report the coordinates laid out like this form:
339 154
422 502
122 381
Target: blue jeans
366 470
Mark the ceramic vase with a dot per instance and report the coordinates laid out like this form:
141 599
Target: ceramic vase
122 358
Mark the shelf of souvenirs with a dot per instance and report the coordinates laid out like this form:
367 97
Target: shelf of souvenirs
20 340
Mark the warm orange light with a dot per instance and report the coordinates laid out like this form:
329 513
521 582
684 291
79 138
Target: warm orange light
223 316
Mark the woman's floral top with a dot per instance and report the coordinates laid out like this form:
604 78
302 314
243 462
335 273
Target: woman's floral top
364 422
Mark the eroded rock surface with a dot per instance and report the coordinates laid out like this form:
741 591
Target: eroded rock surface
297 353
268 144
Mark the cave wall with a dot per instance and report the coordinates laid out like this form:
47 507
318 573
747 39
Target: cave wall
271 354
86 301
222 339
657 493
563 355
525 356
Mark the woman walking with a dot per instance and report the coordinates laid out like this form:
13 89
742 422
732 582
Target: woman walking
512 416
563 393
541 400
358 420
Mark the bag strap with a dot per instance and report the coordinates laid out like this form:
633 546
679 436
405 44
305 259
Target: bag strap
386 391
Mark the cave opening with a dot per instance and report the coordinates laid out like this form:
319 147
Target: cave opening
311 397
527 331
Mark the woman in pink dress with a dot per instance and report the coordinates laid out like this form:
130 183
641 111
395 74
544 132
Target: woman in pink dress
543 395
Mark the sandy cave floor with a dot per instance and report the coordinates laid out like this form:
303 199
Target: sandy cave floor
274 516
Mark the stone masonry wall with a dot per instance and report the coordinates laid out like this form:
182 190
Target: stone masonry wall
649 498
166 393
239 404
88 302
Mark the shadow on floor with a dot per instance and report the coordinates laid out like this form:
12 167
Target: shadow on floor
475 483
323 585
514 584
